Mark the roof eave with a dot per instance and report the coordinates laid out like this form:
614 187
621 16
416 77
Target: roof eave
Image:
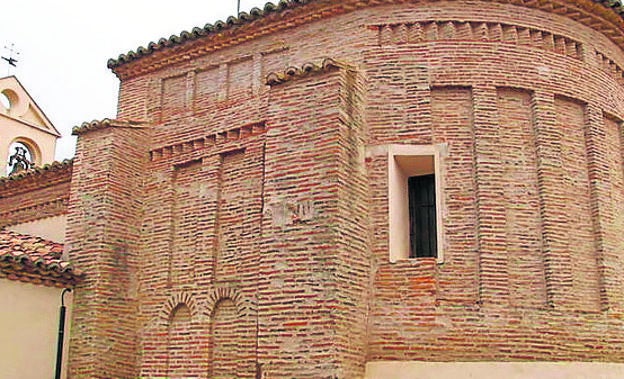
243 28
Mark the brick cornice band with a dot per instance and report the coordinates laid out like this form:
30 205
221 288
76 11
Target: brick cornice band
38 177
287 14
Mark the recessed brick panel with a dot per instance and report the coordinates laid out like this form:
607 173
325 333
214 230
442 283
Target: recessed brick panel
523 230
173 97
576 193
234 201
207 88
452 120
274 60
240 78
226 337
612 215
179 355
185 227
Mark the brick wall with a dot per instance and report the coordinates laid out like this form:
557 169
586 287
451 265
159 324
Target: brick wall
255 220
103 239
296 286
314 267
35 195
529 199
202 225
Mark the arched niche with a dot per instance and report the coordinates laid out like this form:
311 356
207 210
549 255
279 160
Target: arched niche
180 314
179 341
33 152
225 339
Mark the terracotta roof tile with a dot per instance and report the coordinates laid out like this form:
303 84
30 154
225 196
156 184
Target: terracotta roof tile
309 68
254 14
105 123
36 171
35 260
197 32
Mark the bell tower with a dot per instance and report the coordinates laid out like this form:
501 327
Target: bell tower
27 137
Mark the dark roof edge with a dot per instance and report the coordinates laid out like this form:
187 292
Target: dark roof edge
55 274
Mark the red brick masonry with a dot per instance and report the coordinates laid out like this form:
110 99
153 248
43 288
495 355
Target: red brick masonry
234 220
35 194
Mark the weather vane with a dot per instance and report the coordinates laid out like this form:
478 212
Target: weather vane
237 8
11 60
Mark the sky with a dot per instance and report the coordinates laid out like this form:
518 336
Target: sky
64 46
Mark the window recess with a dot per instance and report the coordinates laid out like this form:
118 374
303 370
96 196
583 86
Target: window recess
415 201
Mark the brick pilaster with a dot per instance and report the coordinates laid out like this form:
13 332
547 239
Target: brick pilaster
494 277
557 263
604 151
313 265
103 241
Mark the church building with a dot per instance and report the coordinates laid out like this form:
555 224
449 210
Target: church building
358 189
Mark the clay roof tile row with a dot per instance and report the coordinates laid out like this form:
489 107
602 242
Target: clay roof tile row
36 171
309 68
36 260
195 33
105 123
243 18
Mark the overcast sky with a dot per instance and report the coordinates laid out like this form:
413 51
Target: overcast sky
64 46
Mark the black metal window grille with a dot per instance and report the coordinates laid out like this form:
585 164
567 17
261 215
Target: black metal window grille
422 212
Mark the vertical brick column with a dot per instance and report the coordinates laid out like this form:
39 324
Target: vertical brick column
103 240
353 265
557 263
494 276
606 182
205 262
314 255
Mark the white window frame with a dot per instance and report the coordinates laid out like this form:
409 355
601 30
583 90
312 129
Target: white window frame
398 197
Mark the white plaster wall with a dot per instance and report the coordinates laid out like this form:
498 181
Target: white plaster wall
24 122
29 316
493 370
10 130
51 228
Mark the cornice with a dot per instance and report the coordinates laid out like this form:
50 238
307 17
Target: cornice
36 178
307 69
219 139
606 16
41 210
91 126
31 125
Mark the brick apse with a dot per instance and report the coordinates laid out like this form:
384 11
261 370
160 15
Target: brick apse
246 213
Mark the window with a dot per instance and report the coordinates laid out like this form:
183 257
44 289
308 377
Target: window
422 216
415 201
9 100
5 101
